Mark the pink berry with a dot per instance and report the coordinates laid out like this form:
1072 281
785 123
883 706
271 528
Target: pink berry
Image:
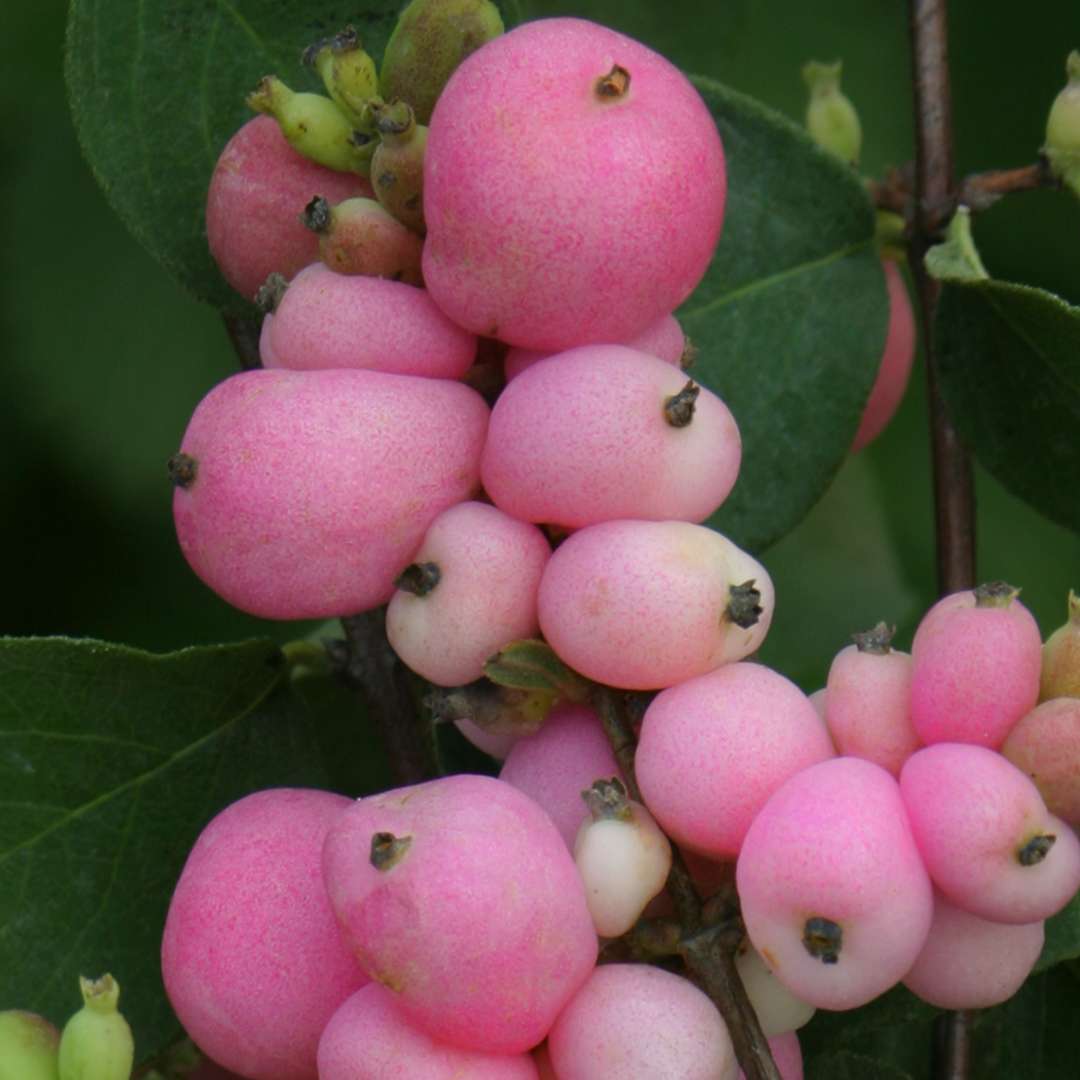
257 194
253 961
303 494
714 748
1045 745
976 660
330 320
603 432
369 1039
574 188
832 887
894 369
460 896
787 1054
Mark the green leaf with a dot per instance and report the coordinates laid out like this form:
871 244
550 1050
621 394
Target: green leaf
790 319
1062 936
157 89
1010 373
531 664
847 1065
111 762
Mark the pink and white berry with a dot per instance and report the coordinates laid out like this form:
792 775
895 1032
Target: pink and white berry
638 1022
303 494
603 432
459 895
833 891
574 188
976 661
778 1010
972 963
369 1039
985 834
563 759
647 604
252 958
1045 745
330 320
663 338
714 748
470 590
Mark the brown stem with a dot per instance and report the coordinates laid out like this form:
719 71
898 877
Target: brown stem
243 332
981 190
952 1045
369 665
954 488
709 951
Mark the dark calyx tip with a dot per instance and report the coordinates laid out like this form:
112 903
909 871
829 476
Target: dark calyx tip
1035 850
995 594
387 850
614 84
393 118
344 41
679 408
182 470
270 293
316 215
878 640
823 939
419 578
606 799
744 605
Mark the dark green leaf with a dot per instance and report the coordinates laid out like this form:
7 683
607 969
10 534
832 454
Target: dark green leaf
1010 372
1062 936
790 318
111 762
157 88
847 1065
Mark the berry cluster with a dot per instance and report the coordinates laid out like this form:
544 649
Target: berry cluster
534 242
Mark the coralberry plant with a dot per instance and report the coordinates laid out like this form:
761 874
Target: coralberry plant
541 345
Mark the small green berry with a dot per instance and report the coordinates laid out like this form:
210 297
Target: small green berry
831 119
97 1043
28 1047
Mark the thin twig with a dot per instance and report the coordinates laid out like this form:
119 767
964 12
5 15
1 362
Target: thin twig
708 951
243 331
954 489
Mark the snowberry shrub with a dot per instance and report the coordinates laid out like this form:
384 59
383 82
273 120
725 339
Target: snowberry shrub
252 958
460 896
303 494
833 890
257 195
532 238
604 432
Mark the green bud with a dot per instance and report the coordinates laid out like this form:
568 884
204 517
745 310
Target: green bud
397 166
431 38
1062 146
97 1042
28 1047
956 258
314 126
347 72
1061 657
890 233
831 119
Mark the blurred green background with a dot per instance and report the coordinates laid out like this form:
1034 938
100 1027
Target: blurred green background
105 357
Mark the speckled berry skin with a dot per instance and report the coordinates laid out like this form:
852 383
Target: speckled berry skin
313 489
560 216
369 1039
975 670
834 843
972 812
972 963
252 958
582 437
1045 745
714 748
640 604
257 193
481 928
638 1022
331 320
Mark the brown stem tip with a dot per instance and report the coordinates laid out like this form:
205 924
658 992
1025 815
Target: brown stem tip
877 641
183 469
1035 850
614 84
387 850
995 594
679 408
823 939
270 293
606 800
744 605
419 578
316 215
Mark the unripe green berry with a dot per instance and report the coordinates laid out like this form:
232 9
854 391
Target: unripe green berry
1062 146
831 119
97 1043
397 167
431 38
347 72
28 1045
1061 657
314 126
